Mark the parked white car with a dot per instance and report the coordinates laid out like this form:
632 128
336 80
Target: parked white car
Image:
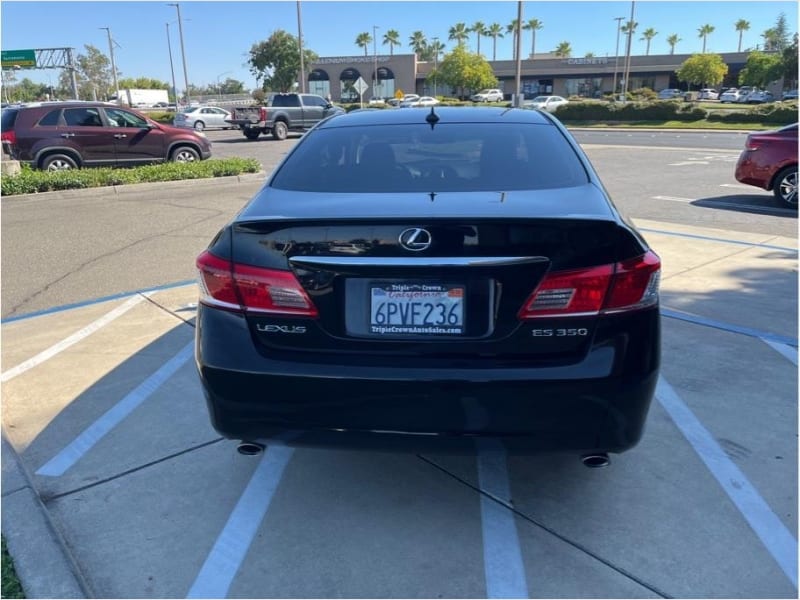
493 95
202 117
669 94
708 94
760 97
744 92
548 103
730 95
408 99
420 101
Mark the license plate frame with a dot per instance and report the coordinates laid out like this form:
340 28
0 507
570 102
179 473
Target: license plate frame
421 309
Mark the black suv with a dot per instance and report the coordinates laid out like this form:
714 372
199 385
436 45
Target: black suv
67 135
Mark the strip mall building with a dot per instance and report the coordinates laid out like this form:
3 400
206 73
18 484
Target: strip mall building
545 74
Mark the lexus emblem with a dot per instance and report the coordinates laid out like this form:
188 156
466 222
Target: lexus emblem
415 239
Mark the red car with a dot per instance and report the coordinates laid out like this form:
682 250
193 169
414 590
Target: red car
769 161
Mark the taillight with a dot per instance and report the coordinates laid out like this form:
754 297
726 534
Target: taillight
754 143
231 286
263 115
8 136
626 285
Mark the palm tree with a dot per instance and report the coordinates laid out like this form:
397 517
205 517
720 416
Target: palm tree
741 26
564 50
704 32
480 29
672 41
533 25
494 31
417 42
460 33
771 40
391 37
648 35
513 28
589 55
363 41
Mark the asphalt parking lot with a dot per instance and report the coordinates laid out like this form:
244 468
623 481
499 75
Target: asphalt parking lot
124 490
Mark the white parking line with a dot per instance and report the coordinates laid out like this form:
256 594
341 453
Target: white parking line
229 550
780 543
674 198
738 186
62 461
502 557
783 349
72 340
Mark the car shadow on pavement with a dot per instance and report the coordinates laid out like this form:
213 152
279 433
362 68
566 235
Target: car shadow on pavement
749 203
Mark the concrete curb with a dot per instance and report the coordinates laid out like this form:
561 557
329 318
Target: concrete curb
34 539
134 188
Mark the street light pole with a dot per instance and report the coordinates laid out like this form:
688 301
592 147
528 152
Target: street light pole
616 58
183 53
518 77
219 93
435 63
113 63
375 61
627 74
300 44
172 69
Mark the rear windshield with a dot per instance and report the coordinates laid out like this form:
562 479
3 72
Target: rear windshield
8 118
285 100
415 157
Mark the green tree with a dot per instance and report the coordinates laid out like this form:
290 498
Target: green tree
462 70
741 26
704 32
761 69
647 36
673 41
142 83
417 41
781 33
494 31
629 27
479 28
391 37
564 50
232 86
790 63
533 25
459 33
276 61
589 55
26 90
92 74
703 69
363 40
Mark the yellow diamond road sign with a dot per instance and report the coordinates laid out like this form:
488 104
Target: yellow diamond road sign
399 94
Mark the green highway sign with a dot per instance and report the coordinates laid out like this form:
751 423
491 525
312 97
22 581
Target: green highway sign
17 58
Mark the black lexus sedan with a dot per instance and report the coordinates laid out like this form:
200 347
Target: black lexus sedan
422 279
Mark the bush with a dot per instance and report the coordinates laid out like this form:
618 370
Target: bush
29 181
667 110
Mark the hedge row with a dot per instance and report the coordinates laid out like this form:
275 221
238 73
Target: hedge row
674 110
29 181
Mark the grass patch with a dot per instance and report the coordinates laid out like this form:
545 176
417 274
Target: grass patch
11 587
30 181
702 124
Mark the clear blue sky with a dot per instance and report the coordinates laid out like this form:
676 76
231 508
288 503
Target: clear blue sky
218 35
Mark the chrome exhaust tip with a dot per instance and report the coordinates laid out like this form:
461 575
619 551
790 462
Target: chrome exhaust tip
249 448
596 460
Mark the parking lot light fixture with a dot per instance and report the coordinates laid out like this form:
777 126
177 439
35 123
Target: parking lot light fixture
183 53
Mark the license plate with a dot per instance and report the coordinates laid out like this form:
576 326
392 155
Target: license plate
417 309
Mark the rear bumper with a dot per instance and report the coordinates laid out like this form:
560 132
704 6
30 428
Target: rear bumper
597 404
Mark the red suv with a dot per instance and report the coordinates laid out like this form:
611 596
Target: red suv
67 135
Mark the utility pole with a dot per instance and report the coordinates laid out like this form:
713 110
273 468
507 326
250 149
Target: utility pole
72 69
183 53
375 60
172 70
616 58
435 63
627 74
300 44
113 63
518 50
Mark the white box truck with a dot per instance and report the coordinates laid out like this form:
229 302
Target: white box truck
141 98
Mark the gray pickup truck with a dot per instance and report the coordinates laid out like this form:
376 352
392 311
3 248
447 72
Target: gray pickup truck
282 114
